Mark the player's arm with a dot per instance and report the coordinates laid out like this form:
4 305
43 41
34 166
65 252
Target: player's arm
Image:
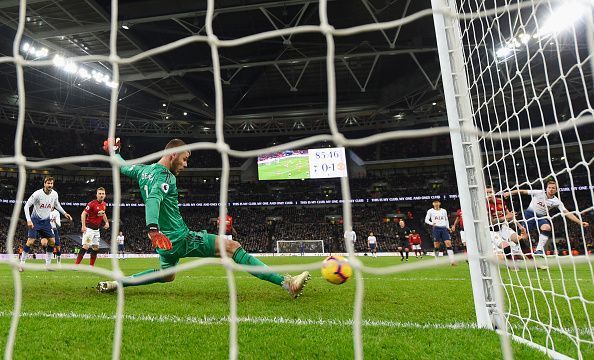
30 202
58 207
233 231
58 221
568 214
130 171
83 220
428 218
106 220
515 192
152 209
455 223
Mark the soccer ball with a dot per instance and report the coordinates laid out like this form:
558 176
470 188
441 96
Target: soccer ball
336 269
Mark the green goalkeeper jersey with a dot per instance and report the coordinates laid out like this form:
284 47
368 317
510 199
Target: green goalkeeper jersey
158 188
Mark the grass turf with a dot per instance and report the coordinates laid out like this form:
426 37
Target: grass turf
415 315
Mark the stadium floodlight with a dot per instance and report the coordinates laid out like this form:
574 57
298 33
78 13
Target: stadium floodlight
563 17
125 27
185 113
59 61
504 52
524 38
26 47
71 67
84 73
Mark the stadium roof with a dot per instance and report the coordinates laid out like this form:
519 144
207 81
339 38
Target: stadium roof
278 86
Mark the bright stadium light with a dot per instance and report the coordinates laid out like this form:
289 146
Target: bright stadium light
71 67
563 17
524 38
59 61
504 52
26 47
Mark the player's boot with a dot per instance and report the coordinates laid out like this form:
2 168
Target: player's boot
106 286
295 284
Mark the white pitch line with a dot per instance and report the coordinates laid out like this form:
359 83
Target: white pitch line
247 320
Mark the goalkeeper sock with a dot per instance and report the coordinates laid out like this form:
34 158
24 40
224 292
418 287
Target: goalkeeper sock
81 255
126 282
242 257
93 257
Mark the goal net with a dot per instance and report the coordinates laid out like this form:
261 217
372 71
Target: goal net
522 76
517 79
300 246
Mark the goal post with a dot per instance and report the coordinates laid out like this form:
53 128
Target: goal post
296 246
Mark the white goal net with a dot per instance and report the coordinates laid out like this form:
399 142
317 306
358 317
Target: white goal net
300 246
527 69
518 92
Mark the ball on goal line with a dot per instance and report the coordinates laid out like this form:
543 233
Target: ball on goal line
336 269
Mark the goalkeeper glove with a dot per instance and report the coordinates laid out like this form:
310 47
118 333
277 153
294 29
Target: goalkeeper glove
116 145
160 241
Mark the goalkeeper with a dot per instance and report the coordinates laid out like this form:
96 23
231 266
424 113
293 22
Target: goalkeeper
170 234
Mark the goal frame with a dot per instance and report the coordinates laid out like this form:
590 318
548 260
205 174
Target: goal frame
298 241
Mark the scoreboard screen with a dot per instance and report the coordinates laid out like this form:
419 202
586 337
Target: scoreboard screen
303 164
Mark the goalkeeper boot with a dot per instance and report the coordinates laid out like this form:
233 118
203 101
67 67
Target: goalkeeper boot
295 284
106 286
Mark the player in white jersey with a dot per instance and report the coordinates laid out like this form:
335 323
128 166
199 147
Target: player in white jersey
38 221
56 225
537 213
372 244
437 218
120 239
351 236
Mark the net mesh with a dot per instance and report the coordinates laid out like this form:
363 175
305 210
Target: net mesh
530 68
497 121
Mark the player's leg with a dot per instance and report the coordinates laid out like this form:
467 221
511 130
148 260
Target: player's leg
407 251
450 251
58 246
49 250
545 232
94 251
87 239
27 248
401 253
436 245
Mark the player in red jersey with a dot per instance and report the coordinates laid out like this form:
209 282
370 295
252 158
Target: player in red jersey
459 222
91 218
229 229
415 241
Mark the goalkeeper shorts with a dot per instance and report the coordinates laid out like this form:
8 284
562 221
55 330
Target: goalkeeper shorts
196 244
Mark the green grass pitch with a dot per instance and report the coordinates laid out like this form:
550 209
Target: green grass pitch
425 314
285 168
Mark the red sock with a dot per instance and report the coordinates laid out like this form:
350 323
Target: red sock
80 256
93 258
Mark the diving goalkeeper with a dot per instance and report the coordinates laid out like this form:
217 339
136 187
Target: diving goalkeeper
169 233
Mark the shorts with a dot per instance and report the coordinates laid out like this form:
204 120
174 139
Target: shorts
42 228
372 246
56 236
416 247
404 245
91 237
120 247
502 238
196 244
228 236
531 220
440 234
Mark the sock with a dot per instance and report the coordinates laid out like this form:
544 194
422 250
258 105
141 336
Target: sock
526 249
81 255
93 257
542 241
436 252
507 252
407 255
450 254
401 255
25 254
58 259
145 282
49 252
242 257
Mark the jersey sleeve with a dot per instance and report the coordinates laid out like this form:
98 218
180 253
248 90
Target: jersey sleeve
428 217
561 206
58 206
534 192
161 186
130 171
88 207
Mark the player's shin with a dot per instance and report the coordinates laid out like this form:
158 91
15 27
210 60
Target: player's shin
450 252
93 253
128 281
543 237
81 255
242 257
49 252
25 254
